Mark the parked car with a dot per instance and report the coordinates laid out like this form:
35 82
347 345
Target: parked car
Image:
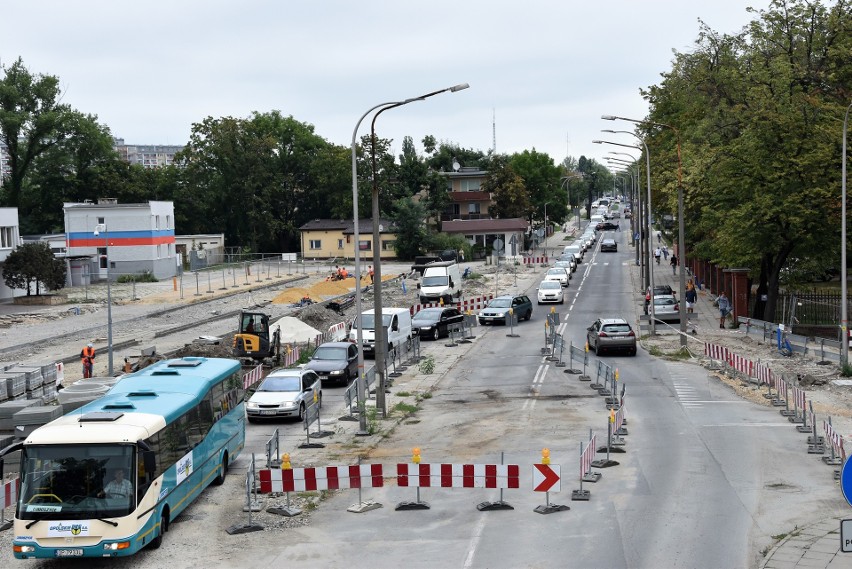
570 258
285 393
576 251
609 246
498 309
658 290
610 335
606 226
335 362
666 308
550 291
558 274
568 264
435 322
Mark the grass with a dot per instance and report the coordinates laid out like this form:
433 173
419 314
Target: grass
405 408
846 370
427 365
403 394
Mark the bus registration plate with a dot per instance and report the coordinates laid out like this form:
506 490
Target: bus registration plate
69 552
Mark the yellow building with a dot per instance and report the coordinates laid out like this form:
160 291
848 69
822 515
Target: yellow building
335 239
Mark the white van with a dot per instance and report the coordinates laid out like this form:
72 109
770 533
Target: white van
441 281
396 320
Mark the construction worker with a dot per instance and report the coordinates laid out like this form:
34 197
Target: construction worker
87 357
372 273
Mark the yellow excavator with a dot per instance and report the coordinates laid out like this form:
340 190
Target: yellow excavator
253 340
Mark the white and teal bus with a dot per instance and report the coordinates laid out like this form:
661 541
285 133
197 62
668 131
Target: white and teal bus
106 479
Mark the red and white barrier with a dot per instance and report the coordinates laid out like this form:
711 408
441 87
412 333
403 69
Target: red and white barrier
10 493
60 372
253 376
337 332
536 260
321 478
458 475
588 456
716 352
291 356
477 303
835 438
741 364
799 399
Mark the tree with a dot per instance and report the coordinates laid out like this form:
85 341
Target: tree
508 190
34 264
542 180
411 233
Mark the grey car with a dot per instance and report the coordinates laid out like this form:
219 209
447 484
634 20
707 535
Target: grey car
666 308
335 362
611 335
285 393
498 309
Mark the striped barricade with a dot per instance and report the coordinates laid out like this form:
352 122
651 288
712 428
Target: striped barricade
291 354
838 454
741 364
253 376
716 352
337 332
587 456
321 478
458 475
10 493
536 260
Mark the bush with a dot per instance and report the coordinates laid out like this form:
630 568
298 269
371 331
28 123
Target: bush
144 277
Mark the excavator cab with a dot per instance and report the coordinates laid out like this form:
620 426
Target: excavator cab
253 340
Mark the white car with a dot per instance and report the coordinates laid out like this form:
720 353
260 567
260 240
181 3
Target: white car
575 250
570 265
558 274
550 291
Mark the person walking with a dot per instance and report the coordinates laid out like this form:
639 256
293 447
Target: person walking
673 263
724 308
657 253
371 272
690 296
665 252
461 255
87 358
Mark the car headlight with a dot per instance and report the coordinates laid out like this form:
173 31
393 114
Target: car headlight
336 372
251 405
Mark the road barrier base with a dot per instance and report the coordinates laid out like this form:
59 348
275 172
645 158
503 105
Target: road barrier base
604 449
815 440
836 461
412 506
577 371
816 449
311 445
787 413
580 495
604 463
513 335
618 442
596 386
584 378
794 419
245 528
254 506
560 364
592 477
6 525
778 403
286 511
363 507
347 418
837 474
490 506
612 403
804 429
622 431
550 508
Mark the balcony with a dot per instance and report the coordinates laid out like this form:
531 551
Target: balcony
463 216
469 197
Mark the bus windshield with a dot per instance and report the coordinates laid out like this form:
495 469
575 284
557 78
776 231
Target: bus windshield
76 482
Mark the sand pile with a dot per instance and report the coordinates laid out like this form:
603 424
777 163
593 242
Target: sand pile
291 295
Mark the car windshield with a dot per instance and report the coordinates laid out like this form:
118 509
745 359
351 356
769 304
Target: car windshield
369 320
550 285
663 301
500 303
437 280
280 383
329 353
557 272
428 315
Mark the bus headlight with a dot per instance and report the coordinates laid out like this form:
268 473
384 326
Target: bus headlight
23 548
116 546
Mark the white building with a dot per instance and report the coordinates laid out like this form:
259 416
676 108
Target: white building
139 238
10 238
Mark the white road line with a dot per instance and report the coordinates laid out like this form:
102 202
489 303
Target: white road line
474 542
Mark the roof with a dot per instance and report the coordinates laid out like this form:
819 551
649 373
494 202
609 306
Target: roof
347 226
484 225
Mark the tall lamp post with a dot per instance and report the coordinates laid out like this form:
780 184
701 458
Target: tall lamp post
681 222
566 180
635 193
102 227
648 184
381 340
844 322
545 228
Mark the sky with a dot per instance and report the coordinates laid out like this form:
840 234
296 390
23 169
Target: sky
541 73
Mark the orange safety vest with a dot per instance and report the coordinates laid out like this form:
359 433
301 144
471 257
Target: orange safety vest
87 353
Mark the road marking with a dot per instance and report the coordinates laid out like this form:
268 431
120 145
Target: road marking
474 542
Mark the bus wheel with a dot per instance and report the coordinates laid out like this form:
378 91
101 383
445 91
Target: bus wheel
223 471
164 527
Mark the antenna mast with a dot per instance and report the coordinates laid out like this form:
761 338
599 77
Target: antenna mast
493 131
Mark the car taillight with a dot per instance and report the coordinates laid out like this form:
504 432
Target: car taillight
630 334
603 335
677 307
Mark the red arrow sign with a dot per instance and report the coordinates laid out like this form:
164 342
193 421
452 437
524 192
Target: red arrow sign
546 478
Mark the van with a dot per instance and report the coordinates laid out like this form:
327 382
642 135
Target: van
396 320
441 281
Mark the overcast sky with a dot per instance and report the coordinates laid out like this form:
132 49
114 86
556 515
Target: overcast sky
543 72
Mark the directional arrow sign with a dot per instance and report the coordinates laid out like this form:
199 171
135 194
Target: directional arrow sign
546 478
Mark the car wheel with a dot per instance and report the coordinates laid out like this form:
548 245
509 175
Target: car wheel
252 421
529 315
633 351
562 301
319 400
591 345
436 335
302 412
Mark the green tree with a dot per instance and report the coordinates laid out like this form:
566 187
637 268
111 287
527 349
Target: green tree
411 234
507 189
33 265
542 180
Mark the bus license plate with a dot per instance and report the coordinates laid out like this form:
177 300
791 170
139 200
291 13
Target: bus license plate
69 552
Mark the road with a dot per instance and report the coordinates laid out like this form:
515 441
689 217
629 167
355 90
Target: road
707 478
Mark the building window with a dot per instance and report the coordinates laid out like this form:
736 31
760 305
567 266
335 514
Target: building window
388 245
102 256
340 243
470 185
6 237
168 222
473 208
315 244
101 220
159 251
366 245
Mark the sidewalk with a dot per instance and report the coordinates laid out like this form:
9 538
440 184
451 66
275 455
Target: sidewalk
813 546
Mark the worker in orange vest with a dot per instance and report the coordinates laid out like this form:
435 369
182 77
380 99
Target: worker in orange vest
87 356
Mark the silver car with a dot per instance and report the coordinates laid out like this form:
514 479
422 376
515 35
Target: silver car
610 335
559 274
285 393
666 308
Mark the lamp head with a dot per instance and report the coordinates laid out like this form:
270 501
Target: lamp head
608 117
597 142
459 87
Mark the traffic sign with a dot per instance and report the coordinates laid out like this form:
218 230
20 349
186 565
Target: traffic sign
546 478
846 536
846 481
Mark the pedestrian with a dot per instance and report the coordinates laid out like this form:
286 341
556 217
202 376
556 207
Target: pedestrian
657 253
673 263
127 366
724 308
665 252
461 255
371 274
659 237
691 296
87 357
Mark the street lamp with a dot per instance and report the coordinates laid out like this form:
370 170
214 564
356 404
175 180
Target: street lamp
635 194
681 222
377 253
545 228
98 229
565 180
650 264
844 322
